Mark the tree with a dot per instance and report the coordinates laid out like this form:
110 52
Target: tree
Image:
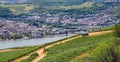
4 12
117 30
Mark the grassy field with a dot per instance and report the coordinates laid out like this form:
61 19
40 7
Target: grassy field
16 52
112 27
79 6
102 53
83 49
84 5
109 28
18 8
66 51
105 52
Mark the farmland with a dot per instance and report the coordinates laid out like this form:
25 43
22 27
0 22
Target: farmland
18 8
7 56
108 28
84 5
106 52
44 18
75 47
66 51
82 49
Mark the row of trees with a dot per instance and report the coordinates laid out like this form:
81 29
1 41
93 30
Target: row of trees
16 36
5 12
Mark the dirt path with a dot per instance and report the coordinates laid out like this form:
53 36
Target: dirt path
99 33
82 55
6 50
42 53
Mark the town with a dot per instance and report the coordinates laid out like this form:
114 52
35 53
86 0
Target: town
53 25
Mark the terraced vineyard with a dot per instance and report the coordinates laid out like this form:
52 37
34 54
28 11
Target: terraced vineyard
76 48
10 54
97 47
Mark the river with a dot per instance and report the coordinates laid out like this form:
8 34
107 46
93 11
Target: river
29 42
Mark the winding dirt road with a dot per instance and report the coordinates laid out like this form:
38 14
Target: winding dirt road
42 53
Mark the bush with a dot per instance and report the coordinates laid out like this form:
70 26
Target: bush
117 31
34 55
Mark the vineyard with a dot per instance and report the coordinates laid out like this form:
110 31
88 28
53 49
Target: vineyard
101 48
97 47
16 52
70 50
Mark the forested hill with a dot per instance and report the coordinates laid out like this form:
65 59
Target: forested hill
62 1
69 1
14 1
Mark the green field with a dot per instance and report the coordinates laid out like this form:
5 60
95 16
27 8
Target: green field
66 51
88 49
19 8
84 5
79 6
108 28
16 52
112 27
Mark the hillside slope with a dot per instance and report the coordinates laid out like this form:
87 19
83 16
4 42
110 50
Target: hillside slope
72 1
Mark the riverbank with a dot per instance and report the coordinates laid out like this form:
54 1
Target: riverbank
44 53
30 42
22 51
26 38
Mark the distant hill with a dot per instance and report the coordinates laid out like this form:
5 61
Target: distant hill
13 1
64 1
67 1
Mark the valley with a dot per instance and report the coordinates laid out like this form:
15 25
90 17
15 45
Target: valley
59 30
